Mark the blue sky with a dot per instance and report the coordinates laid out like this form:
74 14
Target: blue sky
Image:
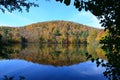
47 11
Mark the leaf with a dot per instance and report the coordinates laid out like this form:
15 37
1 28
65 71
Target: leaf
67 2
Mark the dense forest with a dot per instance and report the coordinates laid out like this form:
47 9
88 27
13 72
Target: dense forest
52 32
52 54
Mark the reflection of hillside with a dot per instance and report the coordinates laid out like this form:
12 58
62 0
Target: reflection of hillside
7 50
57 55
96 51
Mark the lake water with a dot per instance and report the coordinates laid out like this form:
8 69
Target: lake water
50 62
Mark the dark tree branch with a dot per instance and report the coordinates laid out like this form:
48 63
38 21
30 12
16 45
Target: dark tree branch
12 5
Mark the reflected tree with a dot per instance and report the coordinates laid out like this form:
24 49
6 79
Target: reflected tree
12 78
112 48
7 50
108 12
111 45
0 38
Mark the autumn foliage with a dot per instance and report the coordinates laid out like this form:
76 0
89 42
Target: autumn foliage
52 32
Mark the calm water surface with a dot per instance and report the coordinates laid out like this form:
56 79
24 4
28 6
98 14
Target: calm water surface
53 62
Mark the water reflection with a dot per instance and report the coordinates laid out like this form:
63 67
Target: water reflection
111 45
50 62
57 55
12 78
33 71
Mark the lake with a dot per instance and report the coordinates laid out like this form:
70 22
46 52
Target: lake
50 62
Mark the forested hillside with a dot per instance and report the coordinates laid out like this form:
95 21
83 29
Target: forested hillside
53 32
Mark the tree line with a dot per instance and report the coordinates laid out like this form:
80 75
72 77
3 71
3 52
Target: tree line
54 32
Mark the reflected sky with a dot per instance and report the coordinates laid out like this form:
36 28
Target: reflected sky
33 71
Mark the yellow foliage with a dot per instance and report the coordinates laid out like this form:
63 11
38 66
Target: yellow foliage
101 35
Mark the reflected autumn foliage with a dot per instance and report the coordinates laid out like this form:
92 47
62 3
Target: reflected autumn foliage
7 50
112 48
57 54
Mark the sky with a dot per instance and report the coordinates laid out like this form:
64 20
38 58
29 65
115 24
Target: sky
48 11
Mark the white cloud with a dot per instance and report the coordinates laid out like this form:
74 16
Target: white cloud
3 24
85 18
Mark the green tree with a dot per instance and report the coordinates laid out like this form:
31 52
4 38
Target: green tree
0 38
41 40
77 35
56 34
5 34
67 34
5 31
84 35
23 40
